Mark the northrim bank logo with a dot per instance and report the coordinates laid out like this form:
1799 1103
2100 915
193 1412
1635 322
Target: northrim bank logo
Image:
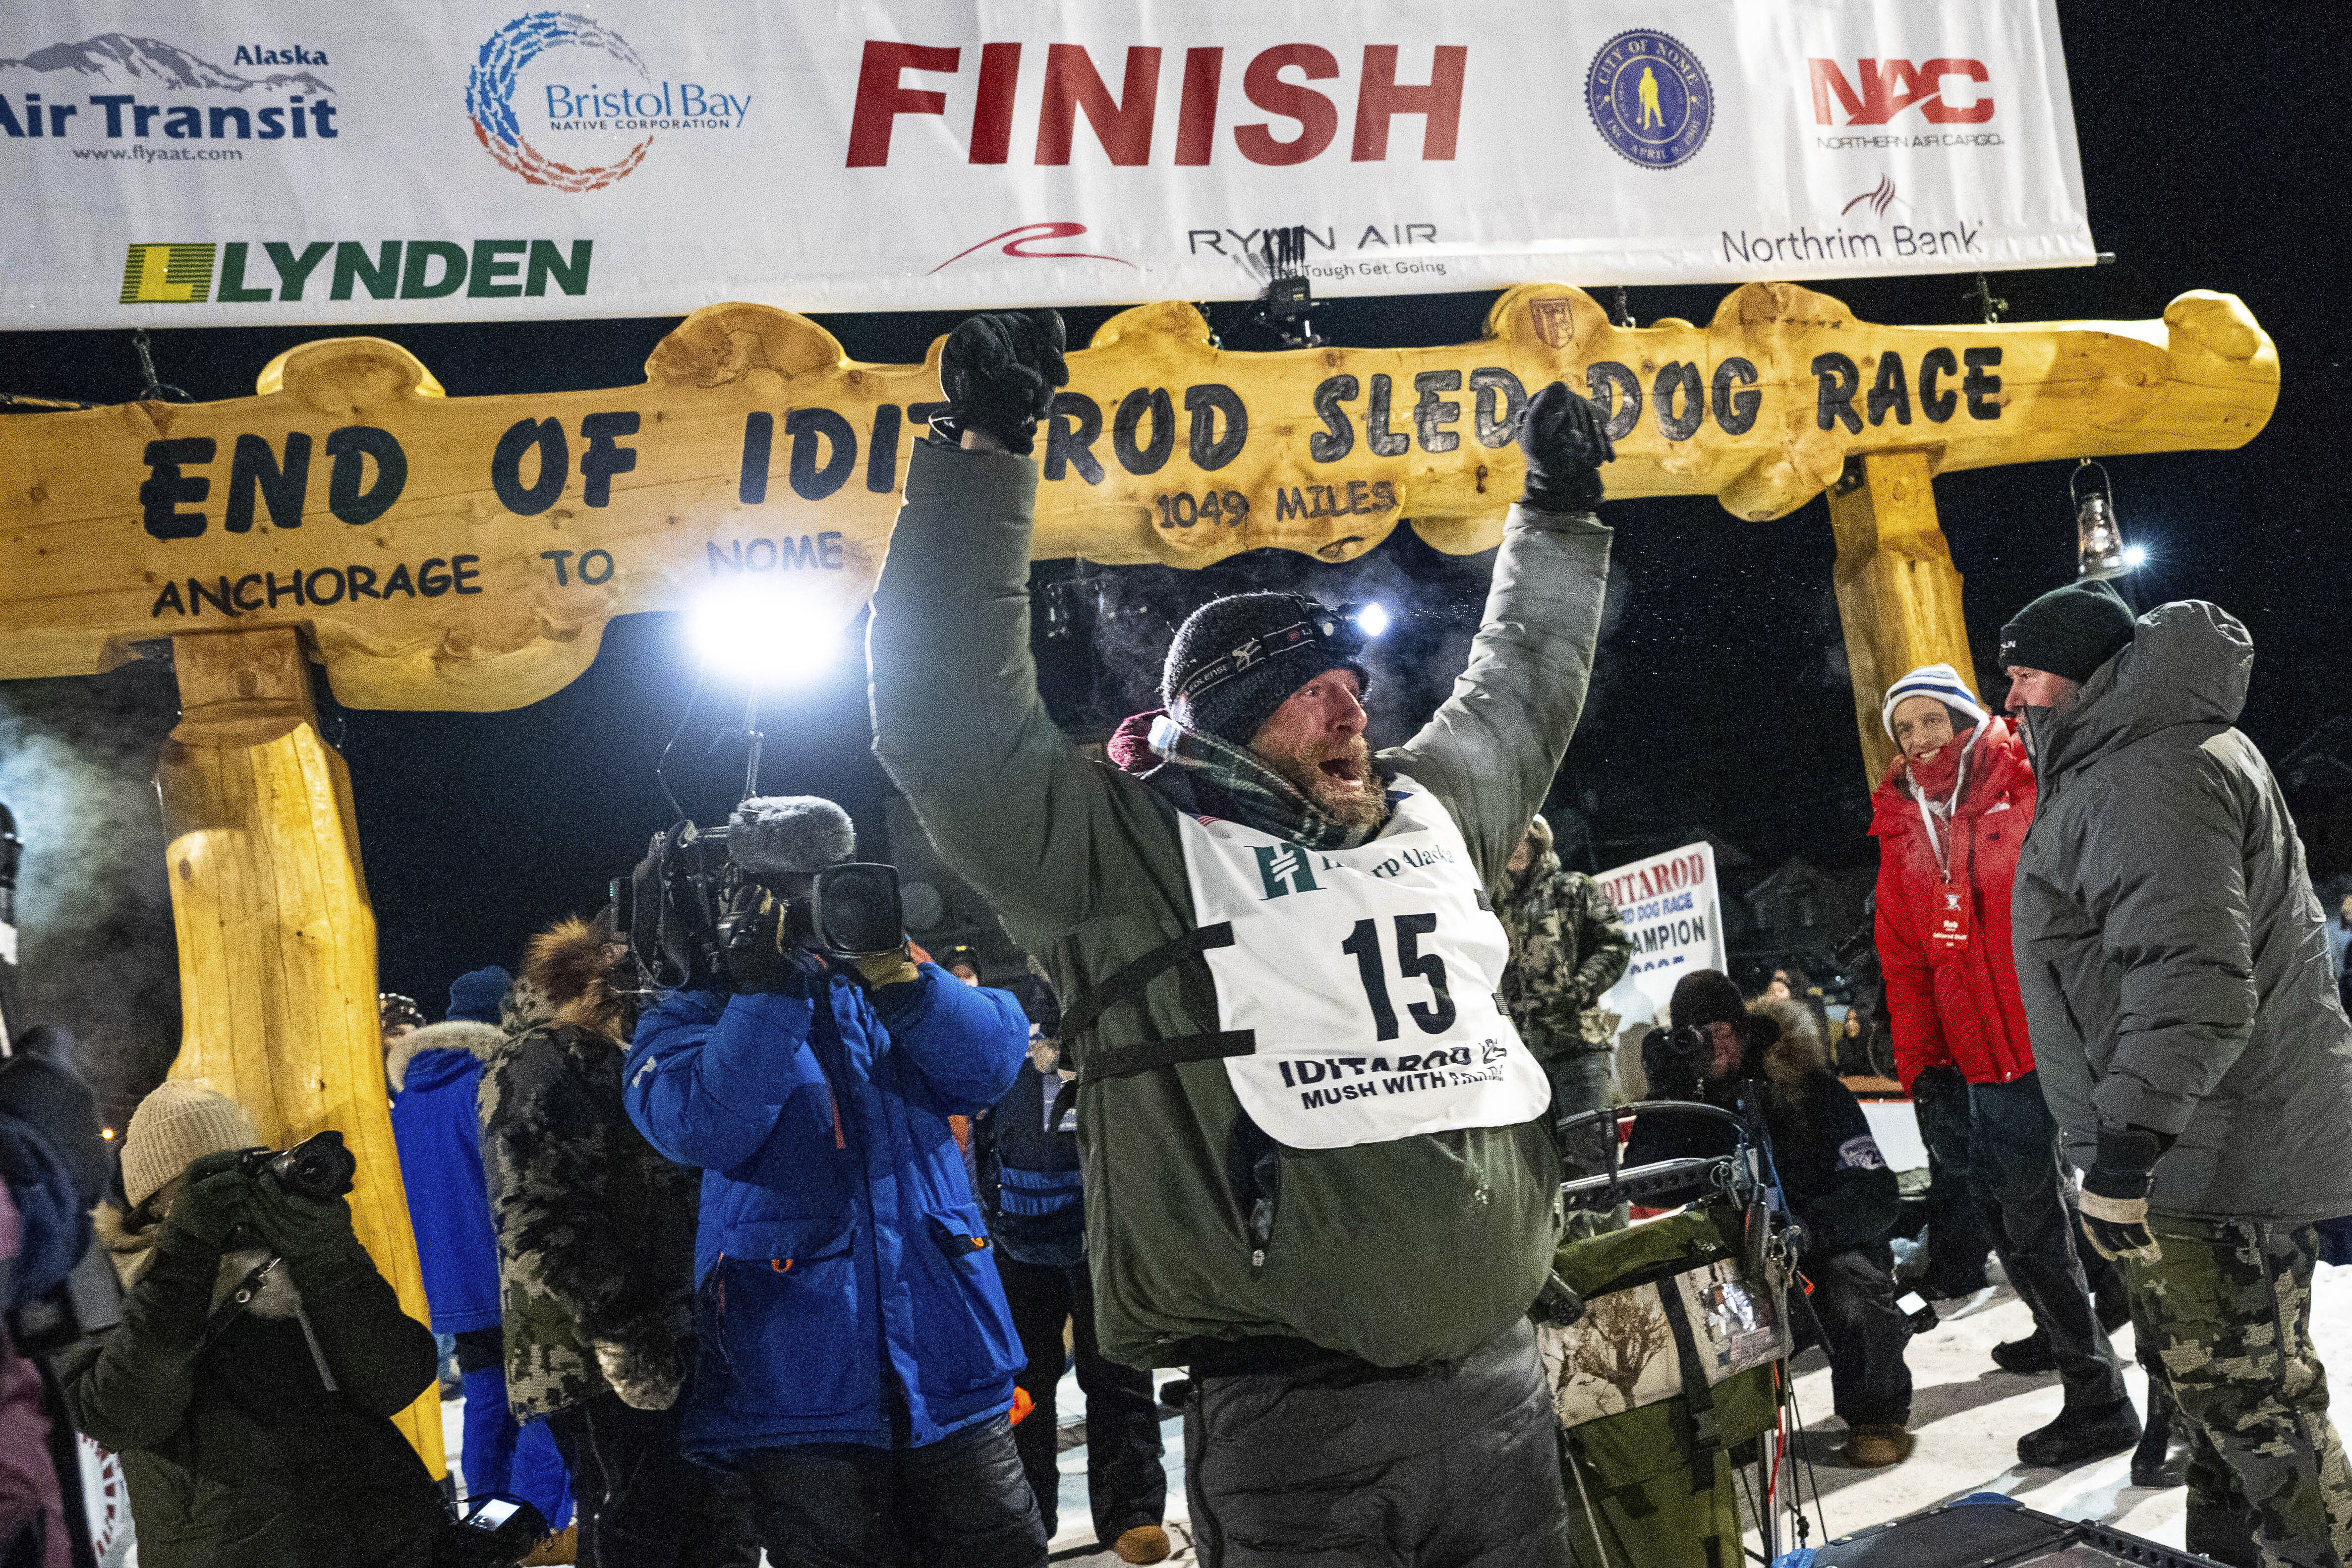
566 102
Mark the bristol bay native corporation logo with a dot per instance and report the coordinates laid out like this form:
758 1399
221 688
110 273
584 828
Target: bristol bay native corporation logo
1650 98
565 101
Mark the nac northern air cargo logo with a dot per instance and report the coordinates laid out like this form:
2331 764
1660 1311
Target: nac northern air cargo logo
565 101
1650 98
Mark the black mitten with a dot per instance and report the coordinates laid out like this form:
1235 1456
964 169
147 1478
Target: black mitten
1000 370
1565 439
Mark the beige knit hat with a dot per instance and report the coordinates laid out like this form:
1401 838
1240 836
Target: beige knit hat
177 1124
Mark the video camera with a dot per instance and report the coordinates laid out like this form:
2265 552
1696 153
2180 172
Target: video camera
686 905
1679 1057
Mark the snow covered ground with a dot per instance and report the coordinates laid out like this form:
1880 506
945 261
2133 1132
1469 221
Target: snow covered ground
1968 1414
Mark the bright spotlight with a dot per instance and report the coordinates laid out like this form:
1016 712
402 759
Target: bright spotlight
763 634
2135 556
1372 620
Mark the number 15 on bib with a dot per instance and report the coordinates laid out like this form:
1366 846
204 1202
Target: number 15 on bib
1367 978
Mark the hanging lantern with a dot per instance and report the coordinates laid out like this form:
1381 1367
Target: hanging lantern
2099 545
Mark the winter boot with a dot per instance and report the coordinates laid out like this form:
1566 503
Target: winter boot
2222 1533
1144 1543
2161 1460
2027 1356
2078 1436
1875 1447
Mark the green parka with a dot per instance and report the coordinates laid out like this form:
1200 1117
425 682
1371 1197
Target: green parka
1400 1253
237 1455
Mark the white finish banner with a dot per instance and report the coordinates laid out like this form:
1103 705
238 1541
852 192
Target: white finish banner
230 161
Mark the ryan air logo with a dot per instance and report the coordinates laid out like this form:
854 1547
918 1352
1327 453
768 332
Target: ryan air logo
1650 98
168 274
565 101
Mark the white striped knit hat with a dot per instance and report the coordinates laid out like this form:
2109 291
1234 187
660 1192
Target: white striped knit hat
1938 681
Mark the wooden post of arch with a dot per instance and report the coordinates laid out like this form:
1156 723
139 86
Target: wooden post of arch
277 937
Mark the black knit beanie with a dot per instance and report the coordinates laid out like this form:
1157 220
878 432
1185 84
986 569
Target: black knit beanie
2069 630
1704 996
1233 709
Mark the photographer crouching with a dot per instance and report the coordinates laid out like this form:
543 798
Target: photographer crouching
1829 1172
856 1356
251 1384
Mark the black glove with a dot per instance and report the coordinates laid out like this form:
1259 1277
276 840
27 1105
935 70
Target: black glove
2115 1193
1000 370
315 1239
39 1087
1674 1061
643 1364
214 1200
1565 439
753 945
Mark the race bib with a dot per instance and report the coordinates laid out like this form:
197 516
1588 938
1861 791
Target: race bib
1368 978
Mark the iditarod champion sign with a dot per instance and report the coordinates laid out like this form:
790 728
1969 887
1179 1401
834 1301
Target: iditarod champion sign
1673 908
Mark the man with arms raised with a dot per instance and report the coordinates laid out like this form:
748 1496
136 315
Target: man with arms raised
1316 1161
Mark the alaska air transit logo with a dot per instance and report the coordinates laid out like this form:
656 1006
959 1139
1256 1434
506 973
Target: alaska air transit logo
490 90
1650 98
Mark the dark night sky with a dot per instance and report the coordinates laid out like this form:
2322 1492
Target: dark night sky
2207 149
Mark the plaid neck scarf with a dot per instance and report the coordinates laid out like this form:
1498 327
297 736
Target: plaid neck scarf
1257 796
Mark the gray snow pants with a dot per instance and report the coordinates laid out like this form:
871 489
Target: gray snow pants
1334 1463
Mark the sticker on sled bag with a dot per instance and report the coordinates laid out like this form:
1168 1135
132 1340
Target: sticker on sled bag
1621 1354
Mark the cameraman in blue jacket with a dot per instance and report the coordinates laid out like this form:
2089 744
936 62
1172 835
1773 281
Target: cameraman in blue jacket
856 1357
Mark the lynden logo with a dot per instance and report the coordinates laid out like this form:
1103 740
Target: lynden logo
144 90
589 97
386 269
168 274
1881 90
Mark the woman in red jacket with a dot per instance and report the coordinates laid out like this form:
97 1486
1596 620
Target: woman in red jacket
1949 820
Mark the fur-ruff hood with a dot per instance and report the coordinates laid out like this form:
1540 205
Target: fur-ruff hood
1783 1029
457 1034
567 965
132 1251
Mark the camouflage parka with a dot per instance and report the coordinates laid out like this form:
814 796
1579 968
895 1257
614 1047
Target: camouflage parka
1569 945
596 1227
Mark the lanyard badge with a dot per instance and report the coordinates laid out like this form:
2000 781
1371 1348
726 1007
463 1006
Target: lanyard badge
1949 921
1947 925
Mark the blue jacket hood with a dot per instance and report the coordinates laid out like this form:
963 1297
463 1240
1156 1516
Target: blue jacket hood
435 1074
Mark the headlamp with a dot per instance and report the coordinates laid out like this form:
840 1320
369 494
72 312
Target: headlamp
1343 631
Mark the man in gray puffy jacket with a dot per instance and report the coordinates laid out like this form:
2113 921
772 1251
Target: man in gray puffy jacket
2174 970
